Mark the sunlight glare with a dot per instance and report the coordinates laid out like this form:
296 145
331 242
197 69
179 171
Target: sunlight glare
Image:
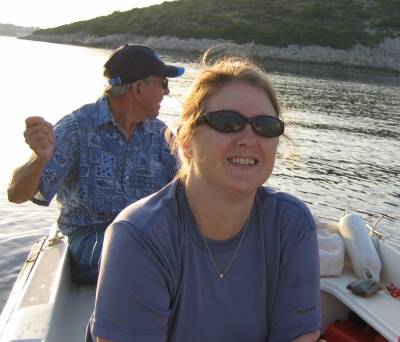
48 13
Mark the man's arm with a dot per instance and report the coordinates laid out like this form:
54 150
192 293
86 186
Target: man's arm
40 137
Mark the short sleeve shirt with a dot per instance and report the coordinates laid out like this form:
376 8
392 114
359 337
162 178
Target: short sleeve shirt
96 173
158 283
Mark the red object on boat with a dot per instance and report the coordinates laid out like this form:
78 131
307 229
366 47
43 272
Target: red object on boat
394 292
347 331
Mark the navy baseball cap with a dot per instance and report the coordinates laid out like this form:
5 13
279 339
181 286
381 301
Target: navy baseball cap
133 62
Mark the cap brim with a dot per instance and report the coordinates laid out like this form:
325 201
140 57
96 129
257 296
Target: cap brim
172 71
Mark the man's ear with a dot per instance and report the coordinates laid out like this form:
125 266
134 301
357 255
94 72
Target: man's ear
136 87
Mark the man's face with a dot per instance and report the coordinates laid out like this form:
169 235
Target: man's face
153 90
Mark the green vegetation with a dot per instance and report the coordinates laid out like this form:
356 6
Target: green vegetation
15 31
337 23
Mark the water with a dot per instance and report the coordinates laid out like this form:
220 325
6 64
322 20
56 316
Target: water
345 125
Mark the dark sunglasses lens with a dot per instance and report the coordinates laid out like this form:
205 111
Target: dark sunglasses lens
267 126
226 122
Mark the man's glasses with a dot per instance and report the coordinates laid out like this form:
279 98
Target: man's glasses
229 121
164 82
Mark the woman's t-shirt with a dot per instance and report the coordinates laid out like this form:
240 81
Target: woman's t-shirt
158 282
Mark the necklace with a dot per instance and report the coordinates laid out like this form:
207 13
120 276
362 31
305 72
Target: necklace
220 273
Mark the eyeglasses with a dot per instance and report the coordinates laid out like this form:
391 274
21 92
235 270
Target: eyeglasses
229 121
164 82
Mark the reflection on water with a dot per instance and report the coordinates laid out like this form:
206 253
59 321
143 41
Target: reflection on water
345 126
347 136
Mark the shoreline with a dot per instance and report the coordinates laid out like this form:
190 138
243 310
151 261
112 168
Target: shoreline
384 57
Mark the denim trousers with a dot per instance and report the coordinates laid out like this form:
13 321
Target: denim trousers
85 250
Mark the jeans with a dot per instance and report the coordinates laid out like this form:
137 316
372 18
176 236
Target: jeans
85 250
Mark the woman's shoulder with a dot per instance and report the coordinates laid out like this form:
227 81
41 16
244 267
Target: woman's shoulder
144 232
270 195
154 214
285 205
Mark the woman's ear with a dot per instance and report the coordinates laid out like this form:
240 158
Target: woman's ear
187 149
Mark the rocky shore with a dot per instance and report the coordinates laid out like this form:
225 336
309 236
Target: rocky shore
384 56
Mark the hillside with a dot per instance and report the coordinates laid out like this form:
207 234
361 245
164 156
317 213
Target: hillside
15 31
337 24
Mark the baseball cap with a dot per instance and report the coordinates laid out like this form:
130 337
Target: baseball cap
133 62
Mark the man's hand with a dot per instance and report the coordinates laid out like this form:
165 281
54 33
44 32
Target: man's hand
39 135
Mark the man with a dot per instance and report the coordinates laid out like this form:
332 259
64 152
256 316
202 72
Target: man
101 157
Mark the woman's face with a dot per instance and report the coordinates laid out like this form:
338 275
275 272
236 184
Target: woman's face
240 161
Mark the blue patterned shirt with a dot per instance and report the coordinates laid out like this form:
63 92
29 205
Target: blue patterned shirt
96 173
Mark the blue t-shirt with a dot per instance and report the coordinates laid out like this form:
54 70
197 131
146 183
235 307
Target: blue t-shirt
96 173
157 281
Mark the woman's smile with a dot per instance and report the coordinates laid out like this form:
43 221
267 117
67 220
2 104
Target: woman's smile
243 161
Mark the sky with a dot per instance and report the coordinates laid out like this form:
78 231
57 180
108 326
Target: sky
51 13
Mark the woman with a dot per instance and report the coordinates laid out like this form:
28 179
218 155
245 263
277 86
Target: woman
215 256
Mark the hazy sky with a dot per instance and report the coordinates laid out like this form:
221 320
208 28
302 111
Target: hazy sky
50 13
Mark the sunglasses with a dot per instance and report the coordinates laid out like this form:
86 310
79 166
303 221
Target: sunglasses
164 82
229 121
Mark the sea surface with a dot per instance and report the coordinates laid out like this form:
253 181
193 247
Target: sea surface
344 124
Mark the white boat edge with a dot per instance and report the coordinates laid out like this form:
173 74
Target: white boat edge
44 303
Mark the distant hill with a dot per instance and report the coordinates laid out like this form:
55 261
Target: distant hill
15 31
338 24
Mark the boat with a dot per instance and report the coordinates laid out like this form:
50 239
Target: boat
46 305
346 316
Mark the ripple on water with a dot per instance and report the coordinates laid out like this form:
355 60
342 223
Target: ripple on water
21 226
